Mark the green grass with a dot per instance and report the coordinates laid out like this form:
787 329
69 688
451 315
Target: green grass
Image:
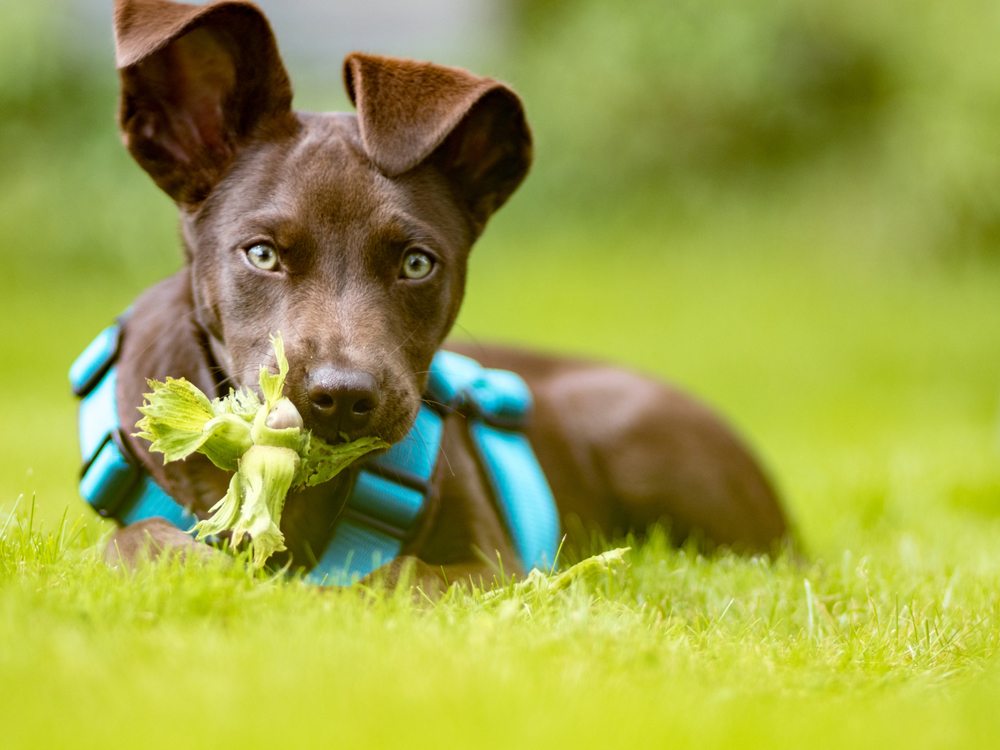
869 385
676 648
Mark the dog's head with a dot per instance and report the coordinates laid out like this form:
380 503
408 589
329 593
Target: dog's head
348 234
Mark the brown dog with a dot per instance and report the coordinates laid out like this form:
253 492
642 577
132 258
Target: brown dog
349 234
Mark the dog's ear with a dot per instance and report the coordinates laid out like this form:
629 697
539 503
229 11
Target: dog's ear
197 83
472 128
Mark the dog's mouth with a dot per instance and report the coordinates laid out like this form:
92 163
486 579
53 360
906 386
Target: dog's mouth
340 438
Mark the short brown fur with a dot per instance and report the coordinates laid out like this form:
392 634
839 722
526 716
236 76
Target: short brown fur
342 199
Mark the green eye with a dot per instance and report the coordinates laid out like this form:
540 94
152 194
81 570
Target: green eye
262 256
417 265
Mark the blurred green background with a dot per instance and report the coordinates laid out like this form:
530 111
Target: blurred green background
790 208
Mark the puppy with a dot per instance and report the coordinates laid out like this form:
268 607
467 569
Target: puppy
349 234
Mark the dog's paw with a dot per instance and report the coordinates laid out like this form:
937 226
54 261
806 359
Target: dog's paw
151 540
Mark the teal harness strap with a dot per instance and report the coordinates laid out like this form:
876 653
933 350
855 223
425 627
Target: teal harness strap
390 494
113 482
499 404
387 501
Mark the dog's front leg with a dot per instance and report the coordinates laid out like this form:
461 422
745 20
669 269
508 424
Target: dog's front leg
150 539
464 541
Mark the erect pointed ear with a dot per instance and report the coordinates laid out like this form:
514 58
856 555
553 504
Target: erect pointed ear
197 83
470 127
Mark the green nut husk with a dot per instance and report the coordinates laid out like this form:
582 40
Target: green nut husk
263 443
252 506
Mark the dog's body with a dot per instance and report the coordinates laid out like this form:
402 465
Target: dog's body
349 235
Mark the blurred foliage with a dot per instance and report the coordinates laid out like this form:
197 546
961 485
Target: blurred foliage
873 120
70 203
28 58
849 107
714 88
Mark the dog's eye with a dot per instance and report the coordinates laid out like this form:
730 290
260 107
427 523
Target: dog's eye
417 265
262 256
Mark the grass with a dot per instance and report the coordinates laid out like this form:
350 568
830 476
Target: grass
810 311
869 385
675 648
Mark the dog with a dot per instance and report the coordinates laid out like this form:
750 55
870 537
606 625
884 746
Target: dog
349 233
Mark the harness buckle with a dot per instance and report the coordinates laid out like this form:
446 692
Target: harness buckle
498 397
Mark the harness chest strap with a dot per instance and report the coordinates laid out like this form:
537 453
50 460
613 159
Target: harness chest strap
390 495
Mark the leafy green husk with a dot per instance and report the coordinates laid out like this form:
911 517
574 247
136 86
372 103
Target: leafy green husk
322 461
266 476
272 385
179 420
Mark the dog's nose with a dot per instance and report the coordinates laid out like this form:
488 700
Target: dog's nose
343 400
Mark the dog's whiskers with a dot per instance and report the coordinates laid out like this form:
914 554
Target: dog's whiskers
403 343
440 404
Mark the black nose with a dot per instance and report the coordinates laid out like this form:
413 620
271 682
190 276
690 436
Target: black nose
342 400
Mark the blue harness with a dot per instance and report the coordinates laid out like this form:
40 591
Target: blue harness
390 495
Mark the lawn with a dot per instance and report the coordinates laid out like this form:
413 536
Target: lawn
867 381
